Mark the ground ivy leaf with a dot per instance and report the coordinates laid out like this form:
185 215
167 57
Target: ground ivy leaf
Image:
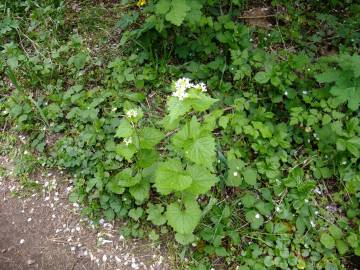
327 240
155 214
255 219
262 77
170 176
202 180
250 176
183 221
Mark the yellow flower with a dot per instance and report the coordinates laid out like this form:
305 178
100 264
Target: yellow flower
141 3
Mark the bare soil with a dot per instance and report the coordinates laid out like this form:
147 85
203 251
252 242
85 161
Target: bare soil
43 230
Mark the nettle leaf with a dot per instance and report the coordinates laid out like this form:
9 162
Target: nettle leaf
124 130
170 177
327 240
140 191
178 11
202 180
183 220
126 179
149 137
155 214
351 95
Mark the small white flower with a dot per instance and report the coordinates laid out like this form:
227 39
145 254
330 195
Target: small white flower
22 241
26 152
104 258
286 93
312 223
183 83
305 92
236 174
306 200
344 162
131 113
201 86
316 212
278 209
114 109
257 216
128 141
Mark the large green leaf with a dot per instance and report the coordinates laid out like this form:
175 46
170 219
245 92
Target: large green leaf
327 240
170 177
140 191
202 180
176 108
125 178
201 151
149 137
183 221
250 175
124 130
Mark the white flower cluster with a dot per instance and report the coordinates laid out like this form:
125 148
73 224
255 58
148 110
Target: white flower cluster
131 113
128 141
183 84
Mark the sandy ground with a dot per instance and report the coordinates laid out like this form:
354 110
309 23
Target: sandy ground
43 230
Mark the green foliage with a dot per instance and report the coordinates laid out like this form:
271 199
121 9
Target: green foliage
256 167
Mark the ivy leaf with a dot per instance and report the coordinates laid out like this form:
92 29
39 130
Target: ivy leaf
202 180
255 219
125 178
183 221
140 191
124 130
327 240
234 178
155 214
177 14
149 137
262 77
250 176
170 176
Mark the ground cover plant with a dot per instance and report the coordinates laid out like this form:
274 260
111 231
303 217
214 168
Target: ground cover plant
231 127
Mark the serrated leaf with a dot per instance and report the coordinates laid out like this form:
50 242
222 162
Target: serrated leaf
328 76
248 200
170 177
114 187
124 130
351 95
176 108
136 213
178 11
335 231
201 151
234 178
149 137
341 246
202 180
183 221
126 151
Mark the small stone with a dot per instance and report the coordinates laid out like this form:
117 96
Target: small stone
30 262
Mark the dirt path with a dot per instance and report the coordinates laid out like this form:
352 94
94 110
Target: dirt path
44 231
